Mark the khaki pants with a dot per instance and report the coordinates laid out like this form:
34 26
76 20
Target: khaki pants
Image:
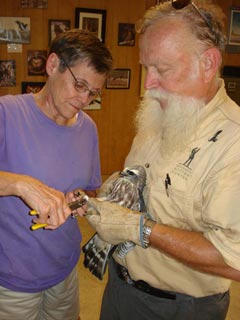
60 302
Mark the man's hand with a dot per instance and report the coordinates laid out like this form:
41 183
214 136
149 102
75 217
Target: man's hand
113 223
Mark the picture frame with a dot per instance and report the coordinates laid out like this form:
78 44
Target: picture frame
7 73
36 62
32 87
94 105
15 30
233 37
119 79
126 34
34 4
93 20
55 27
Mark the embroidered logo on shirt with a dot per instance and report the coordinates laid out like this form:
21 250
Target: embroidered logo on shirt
191 157
215 136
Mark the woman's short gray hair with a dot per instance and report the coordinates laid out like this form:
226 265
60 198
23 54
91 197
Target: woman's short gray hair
77 45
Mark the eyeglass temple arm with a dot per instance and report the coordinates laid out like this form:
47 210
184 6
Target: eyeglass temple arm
201 14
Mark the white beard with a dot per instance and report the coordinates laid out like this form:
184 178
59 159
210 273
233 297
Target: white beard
170 128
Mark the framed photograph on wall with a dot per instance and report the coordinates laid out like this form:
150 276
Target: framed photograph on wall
93 20
55 27
233 39
14 30
7 73
94 105
32 87
36 62
126 34
119 79
34 4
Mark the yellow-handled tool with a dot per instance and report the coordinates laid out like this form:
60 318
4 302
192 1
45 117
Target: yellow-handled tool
36 225
72 205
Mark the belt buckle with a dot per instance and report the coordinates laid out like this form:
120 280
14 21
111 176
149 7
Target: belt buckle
142 285
125 275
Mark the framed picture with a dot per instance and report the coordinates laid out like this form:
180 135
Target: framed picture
94 105
7 73
36 62
126 34
233 40
119 79
55 27
93 20
32 87
14 30
39 4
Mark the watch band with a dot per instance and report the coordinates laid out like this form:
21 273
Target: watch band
147 230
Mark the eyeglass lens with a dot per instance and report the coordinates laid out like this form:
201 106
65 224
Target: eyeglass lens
80 86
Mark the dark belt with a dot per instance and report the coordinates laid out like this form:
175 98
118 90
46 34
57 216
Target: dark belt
123 274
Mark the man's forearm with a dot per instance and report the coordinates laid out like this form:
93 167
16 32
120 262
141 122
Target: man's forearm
192 249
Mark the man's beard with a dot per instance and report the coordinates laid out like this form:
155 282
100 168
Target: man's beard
172 127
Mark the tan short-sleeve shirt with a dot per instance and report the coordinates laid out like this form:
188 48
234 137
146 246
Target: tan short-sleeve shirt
204 196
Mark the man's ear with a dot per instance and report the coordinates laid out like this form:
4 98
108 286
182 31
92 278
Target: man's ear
52 63
211 60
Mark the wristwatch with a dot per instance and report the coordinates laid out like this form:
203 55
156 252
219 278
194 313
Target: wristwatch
147 230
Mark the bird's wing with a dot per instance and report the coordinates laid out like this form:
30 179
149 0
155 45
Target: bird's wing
126 192
107 185
96 255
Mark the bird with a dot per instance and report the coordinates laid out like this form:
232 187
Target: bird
22 26
125 189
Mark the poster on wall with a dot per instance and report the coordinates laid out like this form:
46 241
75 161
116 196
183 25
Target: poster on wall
119 79
93 20
233 43
36 62
126 34
14 30
7 73
94 105
234 27
32 87
38 4
55 27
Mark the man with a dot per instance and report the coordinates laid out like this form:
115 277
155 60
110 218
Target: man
48 149
188 139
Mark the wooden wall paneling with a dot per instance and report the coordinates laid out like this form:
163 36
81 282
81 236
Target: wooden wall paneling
150 3
116 130
114 120
229 58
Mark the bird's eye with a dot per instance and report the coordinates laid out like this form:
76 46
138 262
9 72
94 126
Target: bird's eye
130 172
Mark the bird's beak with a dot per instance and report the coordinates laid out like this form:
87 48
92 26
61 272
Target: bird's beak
122 174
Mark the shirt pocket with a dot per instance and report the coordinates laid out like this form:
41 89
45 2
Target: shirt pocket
170 204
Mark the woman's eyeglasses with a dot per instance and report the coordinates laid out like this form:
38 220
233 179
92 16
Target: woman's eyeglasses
81 86
180 4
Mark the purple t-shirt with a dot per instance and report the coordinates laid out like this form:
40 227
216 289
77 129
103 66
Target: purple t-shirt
64 158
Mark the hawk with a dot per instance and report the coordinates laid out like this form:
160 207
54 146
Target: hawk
124 188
